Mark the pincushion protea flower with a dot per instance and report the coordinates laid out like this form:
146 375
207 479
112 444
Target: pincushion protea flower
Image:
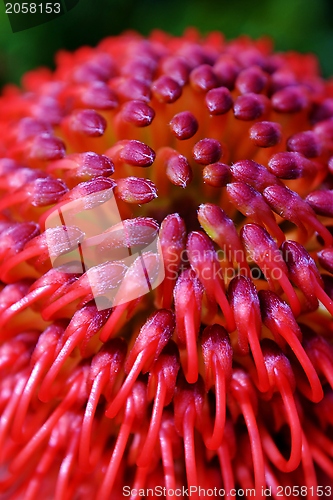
221 378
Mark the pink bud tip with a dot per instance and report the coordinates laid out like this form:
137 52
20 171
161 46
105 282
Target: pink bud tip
250 106
46 147
254 174
265 134
207 151
135 190
138 113
46 191
251 79
216 174
98 95
156 331
325 258
176 68
166 90
289 100
137 153
306 143
291 166
321 202
226 69
218 101
184 125
203 78
87 122
178 170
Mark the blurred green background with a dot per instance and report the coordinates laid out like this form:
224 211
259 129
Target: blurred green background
303 25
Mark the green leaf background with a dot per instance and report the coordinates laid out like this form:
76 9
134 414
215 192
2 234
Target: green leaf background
302 25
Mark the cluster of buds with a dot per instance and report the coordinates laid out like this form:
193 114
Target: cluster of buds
183 336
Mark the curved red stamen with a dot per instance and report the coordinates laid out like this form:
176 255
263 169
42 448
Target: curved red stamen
137 282
278 317
252 204
153 336
265 253
104 369
204 262
246 308
43 356
217 354
282 378
163 374
243 392
45 430
120 445
188 316
188 402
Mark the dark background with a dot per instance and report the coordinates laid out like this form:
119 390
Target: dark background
302 25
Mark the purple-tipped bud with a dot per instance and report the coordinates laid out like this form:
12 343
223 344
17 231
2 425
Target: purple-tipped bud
44 192
306 143
291 166
7 165
89 187
172 237
218 101
265 134
276 314
132 89
21 176
215 343
203 78
98 96
140 231
166 90
324 130
138 113
302 270
226 70
178 170
14 237
87 122
97 68
30 127
289 100
325 258
322 111
216 174
143 68
187 294
250 106
176 68
275 362
207 151
251 79
221 229
262 248
88 165
46 147
184 125
133 152
135 190
244 302
321 202
286 203
157 331
254 174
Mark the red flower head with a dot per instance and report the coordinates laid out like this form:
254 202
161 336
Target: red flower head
166 260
